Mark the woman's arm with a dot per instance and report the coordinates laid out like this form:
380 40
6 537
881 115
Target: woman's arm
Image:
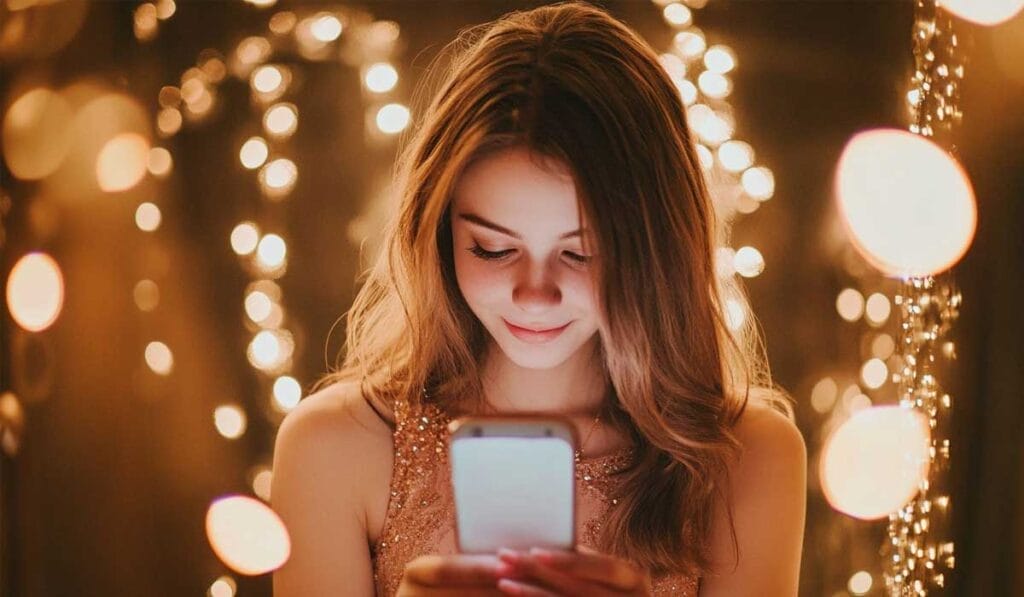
769 484
324 460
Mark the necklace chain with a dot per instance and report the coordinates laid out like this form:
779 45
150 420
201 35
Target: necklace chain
579 452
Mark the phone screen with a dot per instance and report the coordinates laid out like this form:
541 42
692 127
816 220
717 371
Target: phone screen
515 492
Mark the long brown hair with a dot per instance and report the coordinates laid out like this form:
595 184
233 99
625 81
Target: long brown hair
570 82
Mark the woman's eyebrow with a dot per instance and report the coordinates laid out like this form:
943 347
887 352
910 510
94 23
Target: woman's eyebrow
480 221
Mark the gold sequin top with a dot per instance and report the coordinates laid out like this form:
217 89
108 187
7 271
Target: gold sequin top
420 515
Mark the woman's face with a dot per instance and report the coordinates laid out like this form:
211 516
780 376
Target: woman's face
519 258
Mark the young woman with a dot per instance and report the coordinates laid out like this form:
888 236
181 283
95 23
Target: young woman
552 252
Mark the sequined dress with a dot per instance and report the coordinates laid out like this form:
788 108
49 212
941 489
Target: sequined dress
420 515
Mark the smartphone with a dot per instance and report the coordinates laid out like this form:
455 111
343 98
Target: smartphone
514 482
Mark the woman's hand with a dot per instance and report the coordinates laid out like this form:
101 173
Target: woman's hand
585 572
473 575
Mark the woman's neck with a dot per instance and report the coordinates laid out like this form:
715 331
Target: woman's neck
576 387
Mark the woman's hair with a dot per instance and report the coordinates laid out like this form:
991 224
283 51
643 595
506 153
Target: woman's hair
571 83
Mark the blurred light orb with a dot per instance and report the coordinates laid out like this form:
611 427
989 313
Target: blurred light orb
877 308
35 291
908 205
278 177
146 295
707 159
244 238
36 134
247 535
287 392
859 583
122 162
714 85
229 420
850 304
676 14
160 162
874 373
254 152
875 462
271 250
690 43
168 121
258 306
326 28
725 262
393 118
147 217
824 395
381 77
748 262
736 156
984 12
687 91
758 182
882 346
262 482
710 126
159 358
267 79
673 65
281 120
224 586
719 59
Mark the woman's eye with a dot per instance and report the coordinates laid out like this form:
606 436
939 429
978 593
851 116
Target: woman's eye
489 255
578 258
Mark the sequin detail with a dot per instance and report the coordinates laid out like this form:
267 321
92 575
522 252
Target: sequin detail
420 517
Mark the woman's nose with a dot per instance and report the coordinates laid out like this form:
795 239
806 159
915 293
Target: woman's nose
536 290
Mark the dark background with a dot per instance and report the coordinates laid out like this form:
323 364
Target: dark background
109 490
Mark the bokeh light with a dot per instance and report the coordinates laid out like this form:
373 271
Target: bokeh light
159 358
35 291
253 153
122 162
748 262
230 420
147 216
381 77
247 535
36 133
908 205
393 118
719 59
287 393
244 238
984 12
146 295
875 461
850 304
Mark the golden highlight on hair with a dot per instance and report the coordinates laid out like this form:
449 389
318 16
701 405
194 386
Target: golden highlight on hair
578 88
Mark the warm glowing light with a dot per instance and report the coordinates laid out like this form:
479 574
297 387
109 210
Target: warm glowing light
984 12
36 134
244 238
690 43
253 50
724 258
146 295
687 91
677 14
267 79
326 28
908 205
824 394
229 420
271 250
875 461
287 393
719 59
247 535
877 308
736 156
381 77
393 118
160 162
159 358
859 583
147 217
735 314
168 121
758 183
748 262
278 177
122 162
254 152
707 159
224 586
850 304
281 120
35 292
882 346
714 85
874 373
258 306
709 125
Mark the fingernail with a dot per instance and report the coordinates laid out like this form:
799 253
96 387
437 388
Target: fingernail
507 586
503 568
508 555
541 554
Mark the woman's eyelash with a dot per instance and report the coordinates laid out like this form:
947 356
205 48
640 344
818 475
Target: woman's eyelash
495 255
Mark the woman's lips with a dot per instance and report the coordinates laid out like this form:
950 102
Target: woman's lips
533 337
